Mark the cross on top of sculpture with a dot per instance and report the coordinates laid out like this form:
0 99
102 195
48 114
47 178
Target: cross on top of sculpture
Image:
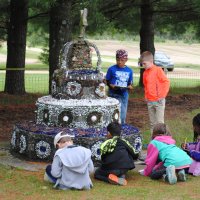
83 22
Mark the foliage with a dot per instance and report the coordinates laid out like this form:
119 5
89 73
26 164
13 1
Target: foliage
4 18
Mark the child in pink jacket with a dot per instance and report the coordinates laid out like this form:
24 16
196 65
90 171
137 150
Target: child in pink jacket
164 158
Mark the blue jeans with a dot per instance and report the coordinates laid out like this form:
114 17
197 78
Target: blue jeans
123 99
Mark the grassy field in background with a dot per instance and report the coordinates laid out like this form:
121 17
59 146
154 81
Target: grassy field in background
19 184
38 83
181 127
36 64
34 83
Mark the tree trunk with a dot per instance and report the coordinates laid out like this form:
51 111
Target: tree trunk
16 47
60 26
146 32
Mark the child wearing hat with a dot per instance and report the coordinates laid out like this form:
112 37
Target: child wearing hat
119 79
71 165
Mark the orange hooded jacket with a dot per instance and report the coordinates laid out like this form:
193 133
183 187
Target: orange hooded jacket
156 84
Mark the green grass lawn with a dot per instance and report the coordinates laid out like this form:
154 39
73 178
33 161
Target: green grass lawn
16 183
34 83
189 66
19 184
38 83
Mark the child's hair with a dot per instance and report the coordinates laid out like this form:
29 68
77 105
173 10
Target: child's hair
114 128
65 138
196 125
146 56
160 129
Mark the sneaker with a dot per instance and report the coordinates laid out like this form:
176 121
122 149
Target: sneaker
116 180
47 178
171 174
181 175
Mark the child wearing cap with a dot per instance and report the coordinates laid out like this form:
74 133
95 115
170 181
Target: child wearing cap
71 165
117 157
119 78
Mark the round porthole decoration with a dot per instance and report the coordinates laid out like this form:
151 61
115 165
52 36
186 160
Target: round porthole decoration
100 90
94 118
95 149
46 115
73 89
65 118
22 144
13 140
42 149
115 115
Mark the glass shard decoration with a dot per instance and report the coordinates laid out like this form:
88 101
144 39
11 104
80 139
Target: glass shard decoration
78 105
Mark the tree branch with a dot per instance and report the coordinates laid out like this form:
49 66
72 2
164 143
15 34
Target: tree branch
38 15
124 6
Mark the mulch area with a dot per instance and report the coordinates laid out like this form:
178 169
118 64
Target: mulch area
137 115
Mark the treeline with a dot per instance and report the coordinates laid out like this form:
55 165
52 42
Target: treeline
54 22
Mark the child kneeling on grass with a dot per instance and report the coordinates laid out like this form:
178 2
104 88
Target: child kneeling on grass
193 148
117 156
71 165
164 159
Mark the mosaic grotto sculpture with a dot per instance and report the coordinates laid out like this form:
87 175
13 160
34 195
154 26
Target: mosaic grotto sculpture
78 105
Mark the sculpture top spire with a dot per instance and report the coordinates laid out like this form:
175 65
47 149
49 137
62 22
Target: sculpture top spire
83 22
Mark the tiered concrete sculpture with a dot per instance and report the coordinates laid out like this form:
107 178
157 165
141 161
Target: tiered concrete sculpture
78 105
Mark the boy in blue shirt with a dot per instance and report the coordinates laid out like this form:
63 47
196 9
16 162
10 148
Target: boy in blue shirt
119 78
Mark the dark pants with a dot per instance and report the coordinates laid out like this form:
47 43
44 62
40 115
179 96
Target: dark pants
102 175
158 173
48 172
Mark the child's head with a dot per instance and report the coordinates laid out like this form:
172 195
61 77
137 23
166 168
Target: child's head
114 129
196 126
121 57
62 139
160 129
146 59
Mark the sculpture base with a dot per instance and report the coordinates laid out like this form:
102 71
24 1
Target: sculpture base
35 142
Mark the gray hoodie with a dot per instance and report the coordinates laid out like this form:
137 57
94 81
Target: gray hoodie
72 166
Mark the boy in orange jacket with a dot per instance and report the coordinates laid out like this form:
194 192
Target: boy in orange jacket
156 88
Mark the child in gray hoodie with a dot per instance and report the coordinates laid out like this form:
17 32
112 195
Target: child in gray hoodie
71 165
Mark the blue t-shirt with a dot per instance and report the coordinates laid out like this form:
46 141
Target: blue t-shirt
121 77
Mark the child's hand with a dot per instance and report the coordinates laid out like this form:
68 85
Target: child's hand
112 86
184 146
130 87
141 172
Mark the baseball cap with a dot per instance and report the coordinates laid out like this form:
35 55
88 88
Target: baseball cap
60 135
